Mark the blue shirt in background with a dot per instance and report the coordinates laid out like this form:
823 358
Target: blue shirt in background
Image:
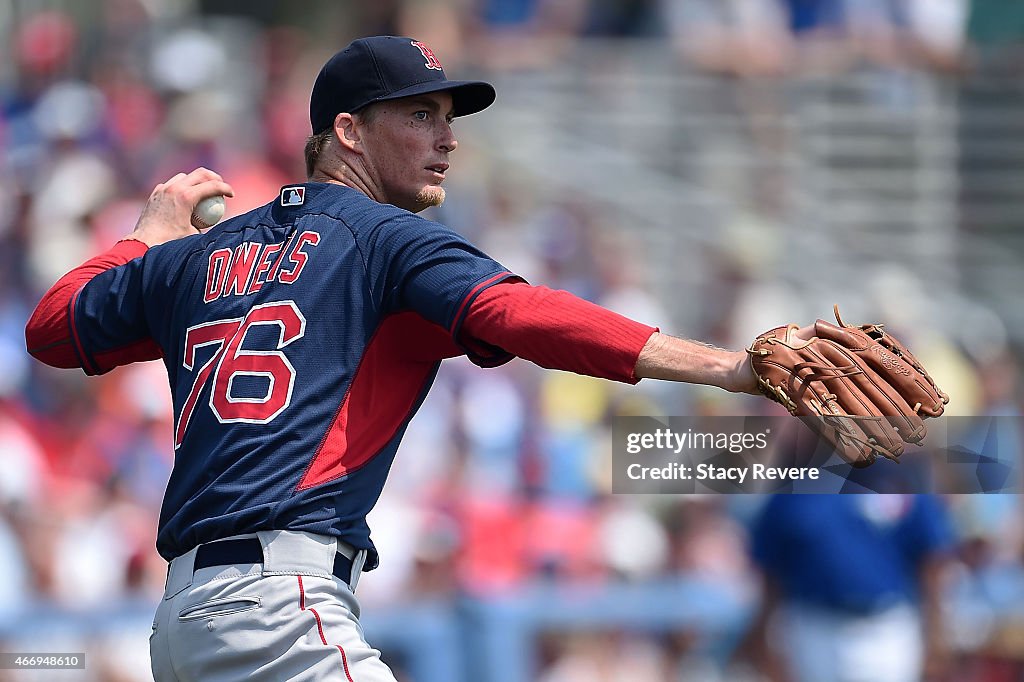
853 553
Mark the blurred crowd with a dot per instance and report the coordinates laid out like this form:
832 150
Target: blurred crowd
503 481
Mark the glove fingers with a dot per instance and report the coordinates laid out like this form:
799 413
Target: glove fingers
863 392
891 361
851 438
936 394
873 432
856 439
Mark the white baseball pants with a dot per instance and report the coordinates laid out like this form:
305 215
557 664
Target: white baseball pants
288 618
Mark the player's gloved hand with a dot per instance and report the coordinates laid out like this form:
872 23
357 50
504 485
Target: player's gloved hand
870 393
168 212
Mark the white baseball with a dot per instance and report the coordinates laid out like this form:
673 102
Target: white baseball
208 212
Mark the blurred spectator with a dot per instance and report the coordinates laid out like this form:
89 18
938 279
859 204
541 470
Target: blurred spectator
995 27
735 37
604 657
708 543
14 572
939 29
525 34
852 587
758 38
624 18
989 588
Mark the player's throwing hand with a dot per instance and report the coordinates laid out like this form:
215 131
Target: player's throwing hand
167 215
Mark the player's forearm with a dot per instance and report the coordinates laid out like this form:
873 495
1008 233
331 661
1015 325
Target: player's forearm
673 359
48 332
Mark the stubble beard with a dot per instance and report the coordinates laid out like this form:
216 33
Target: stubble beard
430 196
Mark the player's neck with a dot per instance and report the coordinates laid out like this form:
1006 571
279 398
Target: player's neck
344 174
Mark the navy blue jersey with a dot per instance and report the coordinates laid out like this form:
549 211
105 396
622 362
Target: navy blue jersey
299 340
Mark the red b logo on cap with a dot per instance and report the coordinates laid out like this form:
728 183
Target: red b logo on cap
432 61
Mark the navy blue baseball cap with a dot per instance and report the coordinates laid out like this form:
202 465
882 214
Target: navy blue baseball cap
386 67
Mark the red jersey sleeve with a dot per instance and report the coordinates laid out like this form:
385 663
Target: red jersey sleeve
49 334
556 330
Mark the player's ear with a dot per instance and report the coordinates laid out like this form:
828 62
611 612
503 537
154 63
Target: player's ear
347 130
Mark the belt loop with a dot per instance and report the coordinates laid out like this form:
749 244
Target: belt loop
357 568
179 573
296 553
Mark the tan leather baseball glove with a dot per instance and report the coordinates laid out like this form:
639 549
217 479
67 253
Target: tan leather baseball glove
870 392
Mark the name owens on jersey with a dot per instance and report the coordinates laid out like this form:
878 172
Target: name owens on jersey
252 264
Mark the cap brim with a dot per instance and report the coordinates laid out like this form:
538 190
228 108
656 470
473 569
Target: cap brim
468 97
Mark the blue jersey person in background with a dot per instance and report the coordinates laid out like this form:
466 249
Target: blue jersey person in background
851 587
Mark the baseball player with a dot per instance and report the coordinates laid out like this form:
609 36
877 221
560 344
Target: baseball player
299 340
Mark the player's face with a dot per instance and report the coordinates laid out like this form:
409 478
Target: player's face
407 145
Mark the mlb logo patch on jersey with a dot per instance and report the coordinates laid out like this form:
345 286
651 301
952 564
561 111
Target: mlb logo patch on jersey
293 196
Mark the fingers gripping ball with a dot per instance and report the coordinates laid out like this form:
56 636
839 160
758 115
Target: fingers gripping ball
867 392
208 212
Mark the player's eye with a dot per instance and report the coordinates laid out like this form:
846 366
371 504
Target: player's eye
421 115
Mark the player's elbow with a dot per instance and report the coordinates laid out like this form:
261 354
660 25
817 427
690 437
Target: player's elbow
57 358
46 340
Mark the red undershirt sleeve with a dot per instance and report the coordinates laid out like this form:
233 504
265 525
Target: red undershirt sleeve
556 330
48 334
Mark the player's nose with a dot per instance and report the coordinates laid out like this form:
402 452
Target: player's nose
447 142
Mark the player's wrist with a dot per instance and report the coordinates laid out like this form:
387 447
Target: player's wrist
740 374
154 230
